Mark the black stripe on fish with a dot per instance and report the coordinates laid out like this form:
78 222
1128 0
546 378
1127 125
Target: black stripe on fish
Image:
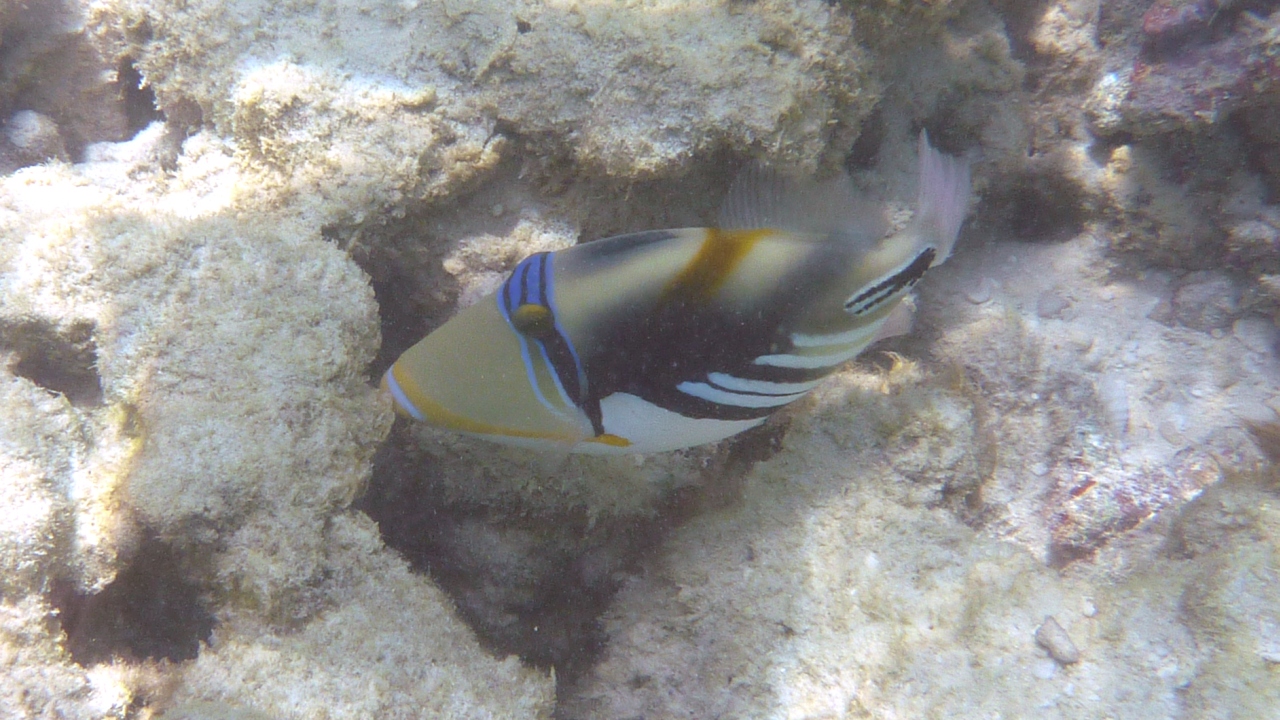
868 299
616 247
649 350
685 340
557 346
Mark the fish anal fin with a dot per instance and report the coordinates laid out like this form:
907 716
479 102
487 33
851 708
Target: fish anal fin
899 321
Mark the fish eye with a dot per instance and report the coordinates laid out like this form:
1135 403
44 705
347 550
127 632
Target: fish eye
533 320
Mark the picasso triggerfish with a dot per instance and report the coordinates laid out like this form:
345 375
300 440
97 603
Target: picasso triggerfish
667 339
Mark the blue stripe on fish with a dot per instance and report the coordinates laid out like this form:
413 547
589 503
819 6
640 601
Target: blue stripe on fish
533 283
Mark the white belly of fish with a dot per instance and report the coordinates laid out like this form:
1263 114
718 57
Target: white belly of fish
654 429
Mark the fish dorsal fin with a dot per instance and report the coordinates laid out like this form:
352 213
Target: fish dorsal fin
764 197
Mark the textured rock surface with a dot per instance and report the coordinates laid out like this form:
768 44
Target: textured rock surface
183 373
1185 90
1202 61
832 591
1110 406
185 339
431 81
54 70
386 644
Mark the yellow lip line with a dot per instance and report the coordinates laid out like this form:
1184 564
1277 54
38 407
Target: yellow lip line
437 414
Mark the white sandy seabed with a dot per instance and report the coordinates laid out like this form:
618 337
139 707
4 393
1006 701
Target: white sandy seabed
1053 500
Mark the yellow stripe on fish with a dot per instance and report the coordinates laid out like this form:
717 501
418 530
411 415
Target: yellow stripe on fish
667 339
721 252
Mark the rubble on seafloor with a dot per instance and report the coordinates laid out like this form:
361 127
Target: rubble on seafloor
1055 498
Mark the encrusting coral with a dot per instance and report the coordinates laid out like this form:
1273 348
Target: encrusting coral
231 420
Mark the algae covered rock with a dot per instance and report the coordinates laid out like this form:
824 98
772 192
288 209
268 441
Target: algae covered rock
188 415
831 580
414 93
188 327
829 593
782 76
387 644
60 90
163 280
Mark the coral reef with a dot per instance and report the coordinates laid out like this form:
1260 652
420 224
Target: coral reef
829 593
1052 499
179 369
1201 62
1185 101
59 89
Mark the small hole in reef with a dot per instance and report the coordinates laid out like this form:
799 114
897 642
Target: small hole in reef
866 149
947 136
402 320
148 612
1022 18
139 101
58 359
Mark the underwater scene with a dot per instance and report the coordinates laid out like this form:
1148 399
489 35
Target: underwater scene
639 359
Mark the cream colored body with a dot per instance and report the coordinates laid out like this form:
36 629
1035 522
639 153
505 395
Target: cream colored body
658 341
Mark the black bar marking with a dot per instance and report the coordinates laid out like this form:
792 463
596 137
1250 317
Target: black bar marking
906 277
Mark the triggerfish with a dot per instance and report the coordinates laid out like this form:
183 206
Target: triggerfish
667 339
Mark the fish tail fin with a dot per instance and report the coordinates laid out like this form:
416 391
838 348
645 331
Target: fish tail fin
943 199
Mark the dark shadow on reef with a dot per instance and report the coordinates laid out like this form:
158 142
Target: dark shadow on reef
148 612
61 360
535 584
